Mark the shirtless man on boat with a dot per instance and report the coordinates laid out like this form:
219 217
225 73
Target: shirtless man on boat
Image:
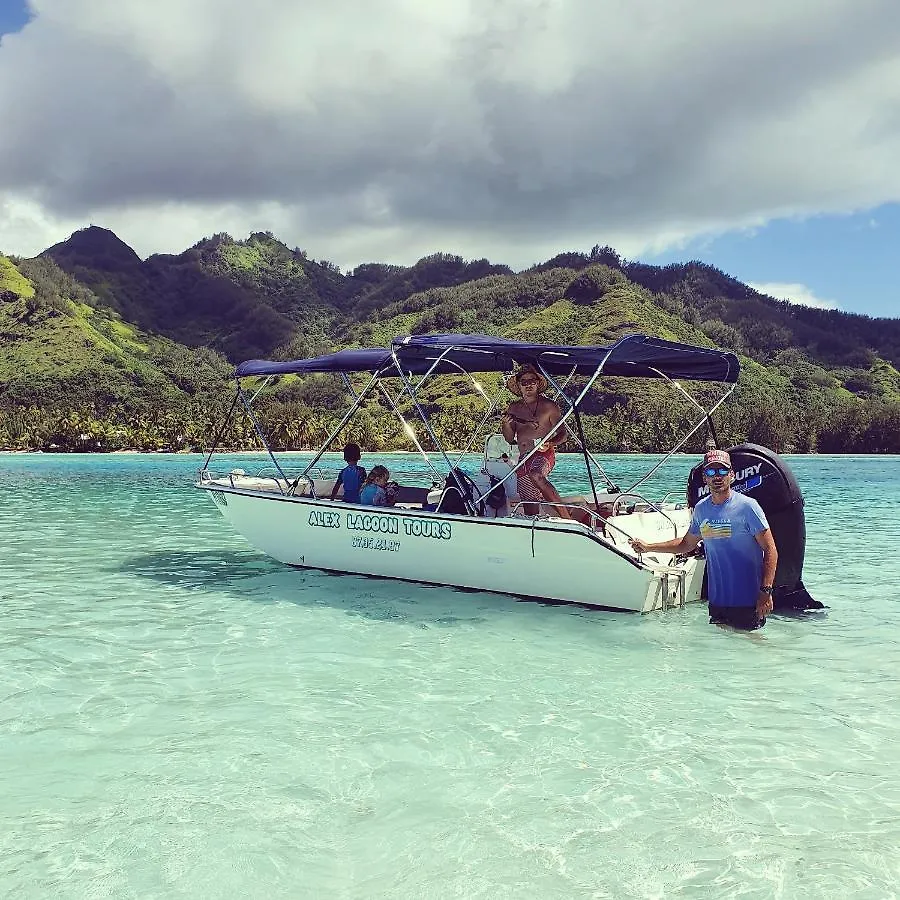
527 422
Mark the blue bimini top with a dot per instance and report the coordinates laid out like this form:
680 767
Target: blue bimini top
633 356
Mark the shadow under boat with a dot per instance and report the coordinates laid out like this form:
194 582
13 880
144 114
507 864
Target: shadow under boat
249 576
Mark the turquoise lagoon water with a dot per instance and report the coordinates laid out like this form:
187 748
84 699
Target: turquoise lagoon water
183 717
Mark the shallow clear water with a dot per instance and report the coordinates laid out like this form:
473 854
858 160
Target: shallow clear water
182 717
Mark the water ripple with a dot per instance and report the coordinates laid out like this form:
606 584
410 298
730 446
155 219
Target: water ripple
183 717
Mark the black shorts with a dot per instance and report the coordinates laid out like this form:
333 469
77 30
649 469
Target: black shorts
743 617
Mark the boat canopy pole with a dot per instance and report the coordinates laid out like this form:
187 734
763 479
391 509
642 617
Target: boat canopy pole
582 440
587 461
410 431
573 405
565 416
712 430
260 435
451 469
442 357
684 440
609 482
260 389
677 386
492 404
411 389
336 431
348 384
223 426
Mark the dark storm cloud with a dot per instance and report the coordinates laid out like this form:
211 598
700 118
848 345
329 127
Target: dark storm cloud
525 119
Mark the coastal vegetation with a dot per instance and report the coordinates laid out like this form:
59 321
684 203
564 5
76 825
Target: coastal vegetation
100 350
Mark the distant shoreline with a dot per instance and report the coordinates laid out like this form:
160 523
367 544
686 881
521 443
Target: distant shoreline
221 452
280 453
338 450
17 452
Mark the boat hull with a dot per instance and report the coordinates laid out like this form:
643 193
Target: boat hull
548 559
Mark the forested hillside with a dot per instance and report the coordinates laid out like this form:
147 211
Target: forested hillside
102 350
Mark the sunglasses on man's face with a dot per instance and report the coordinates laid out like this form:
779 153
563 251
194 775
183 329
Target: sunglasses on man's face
527 381
713 471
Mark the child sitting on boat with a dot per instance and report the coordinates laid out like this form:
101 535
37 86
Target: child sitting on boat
373 492
351 476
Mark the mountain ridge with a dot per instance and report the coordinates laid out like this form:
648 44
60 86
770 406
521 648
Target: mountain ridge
226 300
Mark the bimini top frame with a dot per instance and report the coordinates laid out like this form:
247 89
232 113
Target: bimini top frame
633 356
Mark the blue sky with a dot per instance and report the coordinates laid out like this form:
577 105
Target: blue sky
13 15
753 146
844 261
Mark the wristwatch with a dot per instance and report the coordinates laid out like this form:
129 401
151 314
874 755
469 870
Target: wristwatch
765 589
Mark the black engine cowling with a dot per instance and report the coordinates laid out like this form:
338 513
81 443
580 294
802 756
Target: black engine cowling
760 473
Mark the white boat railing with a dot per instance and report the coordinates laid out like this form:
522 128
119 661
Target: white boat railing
650 505
598 523
289 484
653 506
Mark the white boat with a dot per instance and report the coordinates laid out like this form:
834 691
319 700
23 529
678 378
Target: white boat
585 561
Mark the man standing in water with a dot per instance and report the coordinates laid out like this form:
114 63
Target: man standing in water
741 556
527 422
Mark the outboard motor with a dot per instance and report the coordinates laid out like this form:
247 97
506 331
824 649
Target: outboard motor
760 473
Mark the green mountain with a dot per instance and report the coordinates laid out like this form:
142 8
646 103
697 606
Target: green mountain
99 348
396 285
74 374
239 298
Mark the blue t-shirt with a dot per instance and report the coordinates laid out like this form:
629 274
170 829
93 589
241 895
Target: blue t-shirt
734 560
373 495
351 477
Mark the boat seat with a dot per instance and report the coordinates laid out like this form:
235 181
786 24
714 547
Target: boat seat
323 487
412 496
496 448
499 470
406 495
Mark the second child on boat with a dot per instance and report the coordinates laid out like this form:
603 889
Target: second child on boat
373 492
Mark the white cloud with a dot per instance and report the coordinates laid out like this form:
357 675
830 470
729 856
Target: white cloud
385 131
793 293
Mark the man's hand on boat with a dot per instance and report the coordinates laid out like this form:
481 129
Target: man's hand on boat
640 546
686 544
